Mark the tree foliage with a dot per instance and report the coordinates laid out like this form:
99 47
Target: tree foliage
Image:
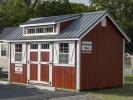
14 12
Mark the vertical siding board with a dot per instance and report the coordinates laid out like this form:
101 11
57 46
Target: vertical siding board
15 77
65 77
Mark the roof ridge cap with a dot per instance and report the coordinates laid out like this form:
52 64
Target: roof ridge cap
102 11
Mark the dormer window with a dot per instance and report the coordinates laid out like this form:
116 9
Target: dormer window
40 30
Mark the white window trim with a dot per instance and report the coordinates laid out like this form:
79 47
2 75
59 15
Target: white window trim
55 32
4 57
65 54
65 65
18 52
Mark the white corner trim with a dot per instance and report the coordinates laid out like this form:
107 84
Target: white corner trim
28 64
38 24
123 59
9 46
78 66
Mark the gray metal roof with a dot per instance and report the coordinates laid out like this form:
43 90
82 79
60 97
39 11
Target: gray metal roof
49 19
83 23
6 31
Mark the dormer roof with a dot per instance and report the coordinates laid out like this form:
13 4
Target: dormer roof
49 20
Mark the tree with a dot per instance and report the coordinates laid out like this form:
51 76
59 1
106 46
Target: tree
122 11
13 11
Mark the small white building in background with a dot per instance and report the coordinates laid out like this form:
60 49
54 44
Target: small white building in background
4 48
128 64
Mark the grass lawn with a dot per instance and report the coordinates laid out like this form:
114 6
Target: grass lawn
123 93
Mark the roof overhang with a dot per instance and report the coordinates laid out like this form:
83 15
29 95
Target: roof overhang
44 40
38 24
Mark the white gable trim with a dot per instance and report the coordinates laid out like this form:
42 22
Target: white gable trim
38 24
94 25
107 15
119 28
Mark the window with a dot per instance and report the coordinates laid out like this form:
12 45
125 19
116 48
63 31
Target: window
3 50
63 53
31 31
18 52
44 46
40 29
34 46
48 29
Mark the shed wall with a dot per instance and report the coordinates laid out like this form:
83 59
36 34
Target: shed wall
103 67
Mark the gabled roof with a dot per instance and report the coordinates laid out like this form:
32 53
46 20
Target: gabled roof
6 31
84 23
51 19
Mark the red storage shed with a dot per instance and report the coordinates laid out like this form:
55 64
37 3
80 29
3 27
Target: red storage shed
77 51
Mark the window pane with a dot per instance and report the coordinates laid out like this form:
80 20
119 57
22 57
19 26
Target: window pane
3 50
39 30
64 47
63 58
48 29
63 53
44 46
34 46
18 56
18 47
31 31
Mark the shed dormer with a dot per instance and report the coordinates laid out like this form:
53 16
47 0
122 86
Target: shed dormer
47 25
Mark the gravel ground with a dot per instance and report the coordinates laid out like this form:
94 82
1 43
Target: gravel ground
78 97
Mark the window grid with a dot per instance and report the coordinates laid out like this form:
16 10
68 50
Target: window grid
18 52
34 46
40 30
3 50
44 46
63 53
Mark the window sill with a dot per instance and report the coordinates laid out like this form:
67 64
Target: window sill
18 62
65 65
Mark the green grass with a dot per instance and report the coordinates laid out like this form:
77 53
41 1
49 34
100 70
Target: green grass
123 93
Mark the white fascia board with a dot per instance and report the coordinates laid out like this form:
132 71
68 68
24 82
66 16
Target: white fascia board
38 24
41 40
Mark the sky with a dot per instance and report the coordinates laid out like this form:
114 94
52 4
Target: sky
86 2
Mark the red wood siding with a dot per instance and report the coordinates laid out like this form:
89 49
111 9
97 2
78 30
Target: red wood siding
33 56
65 24
103 67
33 71
15 77
64 77
45 72
45 56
